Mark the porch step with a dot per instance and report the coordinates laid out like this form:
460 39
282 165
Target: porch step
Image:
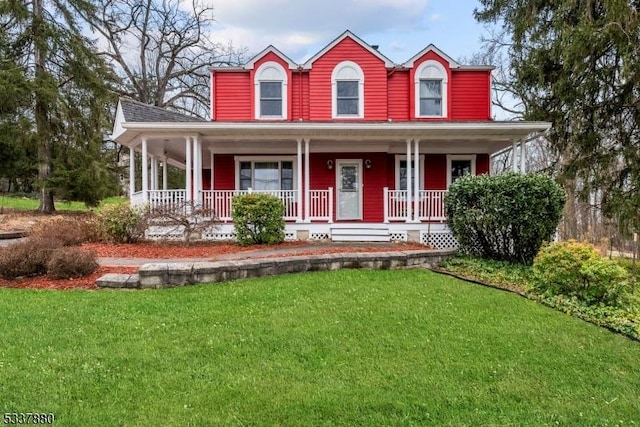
360 234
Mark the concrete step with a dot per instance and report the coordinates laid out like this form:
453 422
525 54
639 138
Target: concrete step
360 234
116 280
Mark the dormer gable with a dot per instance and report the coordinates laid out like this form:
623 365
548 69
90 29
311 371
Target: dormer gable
431 49
250 65
348 35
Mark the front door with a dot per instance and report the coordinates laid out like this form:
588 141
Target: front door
349 183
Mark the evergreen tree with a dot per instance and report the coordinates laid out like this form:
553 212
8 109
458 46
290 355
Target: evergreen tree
69 95
576 63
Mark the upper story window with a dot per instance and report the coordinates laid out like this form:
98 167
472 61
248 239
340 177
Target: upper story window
347 86
431 90
271 91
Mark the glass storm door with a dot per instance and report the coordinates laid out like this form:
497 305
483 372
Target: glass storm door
349 183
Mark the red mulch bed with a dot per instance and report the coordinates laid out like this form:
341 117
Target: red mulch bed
176 250
164 250
86 282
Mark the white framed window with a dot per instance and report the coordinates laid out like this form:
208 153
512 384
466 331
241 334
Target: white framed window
401 172
431 90
266 173
347 91
460 165
271 92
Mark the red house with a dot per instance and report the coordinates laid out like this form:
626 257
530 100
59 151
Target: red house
357 147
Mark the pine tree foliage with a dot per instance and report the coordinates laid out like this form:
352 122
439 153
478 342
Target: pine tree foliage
67 99
576 63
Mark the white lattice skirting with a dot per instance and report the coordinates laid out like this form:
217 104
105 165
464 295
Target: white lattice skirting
399 236
438 240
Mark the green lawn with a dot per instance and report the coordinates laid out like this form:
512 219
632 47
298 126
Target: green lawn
347 347
27 204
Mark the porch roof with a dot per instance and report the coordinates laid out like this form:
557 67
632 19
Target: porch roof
493 131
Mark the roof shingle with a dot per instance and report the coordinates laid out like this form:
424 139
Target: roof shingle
135 111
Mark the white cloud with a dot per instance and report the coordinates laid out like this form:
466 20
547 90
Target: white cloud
435 17
295 26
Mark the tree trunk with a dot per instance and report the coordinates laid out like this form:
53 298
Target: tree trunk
41 110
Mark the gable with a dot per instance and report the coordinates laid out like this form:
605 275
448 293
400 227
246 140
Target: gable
351 40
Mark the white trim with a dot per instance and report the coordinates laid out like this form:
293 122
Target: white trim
254 159
188 170
307 181
360 188
430 70
398 159
347 71
451 157
271 71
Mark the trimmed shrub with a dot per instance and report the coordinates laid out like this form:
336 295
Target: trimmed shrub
27 258
504 217
69 263
576 270
258 218
122 223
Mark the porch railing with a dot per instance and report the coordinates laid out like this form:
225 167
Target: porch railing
168 200
430 205
321 205
220 201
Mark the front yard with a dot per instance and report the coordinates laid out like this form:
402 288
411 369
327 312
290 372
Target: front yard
348 347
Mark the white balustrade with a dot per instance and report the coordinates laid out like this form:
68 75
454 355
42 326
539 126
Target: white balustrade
431 205
321 205
167 200
221 201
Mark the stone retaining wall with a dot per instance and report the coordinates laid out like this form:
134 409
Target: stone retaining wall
162 275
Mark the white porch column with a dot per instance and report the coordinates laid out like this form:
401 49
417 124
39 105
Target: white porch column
409 181
188 169
211 159
416 181
145 170
153 184
132 172
307 188
165 171
197 169
299 217
523 157
514 162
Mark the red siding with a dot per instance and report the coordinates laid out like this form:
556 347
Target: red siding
374 180
233 96
398 90
482 164
300 96
435 172
224 170
470 95
375 81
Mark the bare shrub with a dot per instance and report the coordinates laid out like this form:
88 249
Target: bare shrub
27 258
191 218
71 262
71 230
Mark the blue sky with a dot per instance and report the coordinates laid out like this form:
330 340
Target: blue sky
299 28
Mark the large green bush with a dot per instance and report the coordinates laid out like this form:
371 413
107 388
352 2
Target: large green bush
258 218
576 269
122 223
504 217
